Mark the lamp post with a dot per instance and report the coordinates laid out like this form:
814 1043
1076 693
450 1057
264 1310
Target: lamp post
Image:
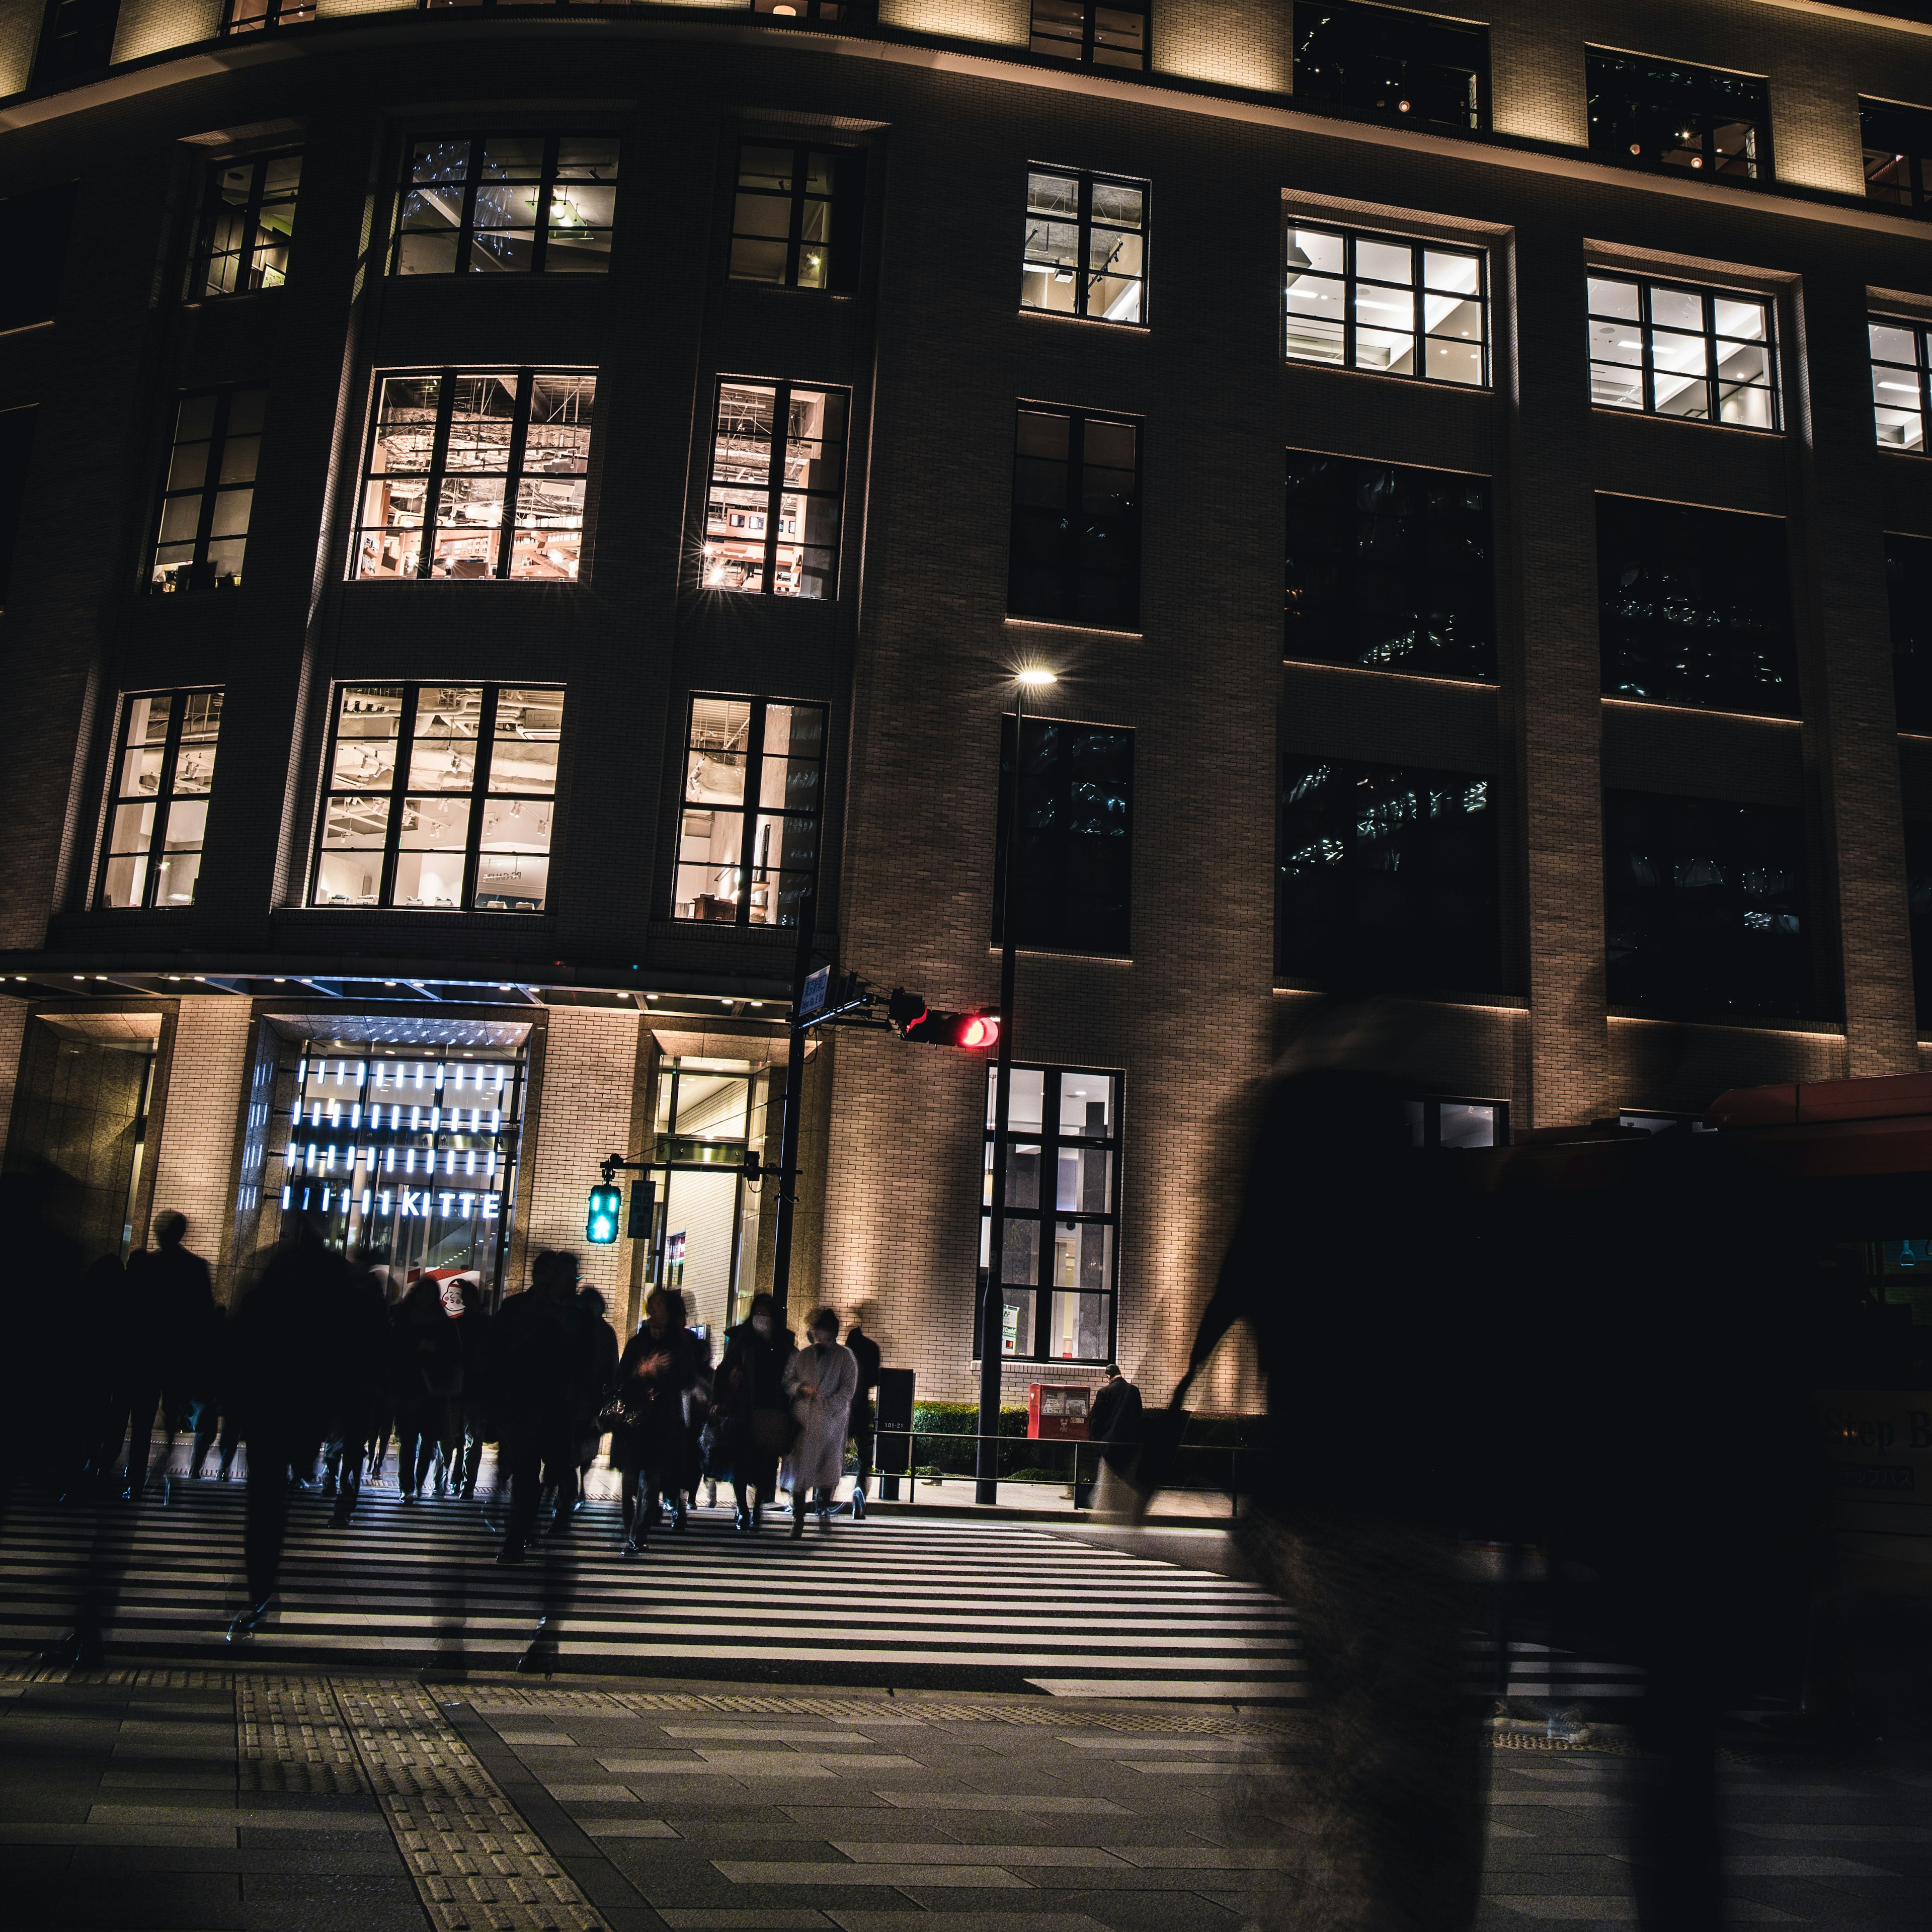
993 1300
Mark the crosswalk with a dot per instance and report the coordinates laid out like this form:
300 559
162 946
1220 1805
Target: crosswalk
920 1604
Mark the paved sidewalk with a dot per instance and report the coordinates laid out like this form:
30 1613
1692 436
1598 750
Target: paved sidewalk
186 1801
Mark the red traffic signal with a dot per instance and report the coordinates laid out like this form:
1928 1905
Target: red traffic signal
914 1020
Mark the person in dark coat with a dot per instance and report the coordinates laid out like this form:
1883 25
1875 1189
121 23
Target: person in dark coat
102 1411
650 1445
212 1414
48 1377
755 1422
529 1351
170 1301
595 1351
466 1426
359 1395
1114 1421
425 1364
865 1418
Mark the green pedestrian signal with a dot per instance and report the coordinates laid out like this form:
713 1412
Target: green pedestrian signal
606 1214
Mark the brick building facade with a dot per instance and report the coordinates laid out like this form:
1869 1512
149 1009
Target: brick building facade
136 143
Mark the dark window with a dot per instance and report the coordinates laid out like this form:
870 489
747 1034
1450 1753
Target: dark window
33 231
1705 909
1072 889
1897 147
1900 400
1389 567
77 39
440 797
157 798
771 519
1437 1122
506 204
248 16
1076 536
797 216
1380 303
1694 606
1919 889
1705 355
1667 114
202 534
1908 578
17 451
476 475
1387 878
1376 60
1093 34
816 13
748 828
248 227
1086 246
1058 1257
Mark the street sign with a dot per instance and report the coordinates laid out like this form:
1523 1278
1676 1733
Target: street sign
812 1002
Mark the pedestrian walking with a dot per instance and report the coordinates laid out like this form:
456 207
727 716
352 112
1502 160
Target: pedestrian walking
753 1424
865 1352
425 1365
649 1442
170 1303
466 1426
1114 1421
212 1410
821 1378
595 1355
528 1359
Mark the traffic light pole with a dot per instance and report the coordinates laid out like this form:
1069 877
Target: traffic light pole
794 1095
992 1299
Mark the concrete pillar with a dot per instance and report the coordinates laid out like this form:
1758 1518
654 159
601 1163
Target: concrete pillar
201 1124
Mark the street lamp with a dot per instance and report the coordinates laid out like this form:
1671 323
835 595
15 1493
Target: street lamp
993 1300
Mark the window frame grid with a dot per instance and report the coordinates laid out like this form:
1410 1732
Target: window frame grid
799 197
1052 1138
1762 165
1073 509
274 14
1083 224
1090 13
1920 330
475 140
1708 295
248 280
777 488
210 490
1419 246
481 792
1365 19
1915 157
164 799
753 809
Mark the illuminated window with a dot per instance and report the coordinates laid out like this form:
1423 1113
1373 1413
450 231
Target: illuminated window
506 204
797 215
1386 304
248 16
1901 357
1093 34
778 476
248 227
202 535
1670 115
157 798
476 476
1381 61
439 797
1086 246
1058 1257
1897 152
748 827
1704 355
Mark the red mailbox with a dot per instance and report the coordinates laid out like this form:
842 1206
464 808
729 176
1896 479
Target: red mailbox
1057 1411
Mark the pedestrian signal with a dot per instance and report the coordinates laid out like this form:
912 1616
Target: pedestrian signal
607 1208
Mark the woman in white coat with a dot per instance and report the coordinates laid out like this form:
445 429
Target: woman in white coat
822 1378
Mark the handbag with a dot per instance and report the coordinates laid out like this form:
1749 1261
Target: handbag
773 1431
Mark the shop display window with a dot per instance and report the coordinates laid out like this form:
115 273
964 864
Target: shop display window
1056 1242
248 227
1702 355
1075 556
1897 143
1086 246
747 825
1072 889
1386 304
209 496
1387 878
1694 606
439 798
483 204
1908 578
475 474
1901 355
1648 113
157 798
771 522
797 215
1093 34
1706 910
1384 61
1389 568
248 16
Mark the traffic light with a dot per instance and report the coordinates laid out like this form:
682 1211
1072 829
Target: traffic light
607 1209
643 1209
976 1030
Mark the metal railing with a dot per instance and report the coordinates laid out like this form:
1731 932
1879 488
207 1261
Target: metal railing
1210 1477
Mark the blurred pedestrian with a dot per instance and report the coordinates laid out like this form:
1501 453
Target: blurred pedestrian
529 1364
821 1378
425 1365
212 1413
466 1427
865 1352
753 1421
170 1303
596 1353
1114 1422
650 1443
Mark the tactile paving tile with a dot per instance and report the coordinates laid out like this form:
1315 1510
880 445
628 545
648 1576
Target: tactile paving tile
292 1737
133 1677
476 1862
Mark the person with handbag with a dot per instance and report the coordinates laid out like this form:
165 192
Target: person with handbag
821 1379
646 1416
755 1422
